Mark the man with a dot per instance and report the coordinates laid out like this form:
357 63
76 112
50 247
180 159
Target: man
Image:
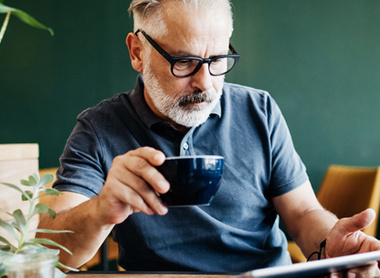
181 106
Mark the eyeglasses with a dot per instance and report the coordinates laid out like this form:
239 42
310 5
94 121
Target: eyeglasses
187 66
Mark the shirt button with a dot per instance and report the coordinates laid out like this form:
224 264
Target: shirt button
185 146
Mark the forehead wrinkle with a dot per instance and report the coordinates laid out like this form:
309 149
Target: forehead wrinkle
196 50
205 35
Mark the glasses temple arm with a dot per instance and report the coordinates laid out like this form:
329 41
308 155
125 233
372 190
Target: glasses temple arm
232 49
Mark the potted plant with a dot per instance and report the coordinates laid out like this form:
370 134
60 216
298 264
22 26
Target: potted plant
25 255
22 255
23 16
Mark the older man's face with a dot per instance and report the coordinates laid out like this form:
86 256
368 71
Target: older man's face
186 101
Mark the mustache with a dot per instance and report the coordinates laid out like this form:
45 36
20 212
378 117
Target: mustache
198 97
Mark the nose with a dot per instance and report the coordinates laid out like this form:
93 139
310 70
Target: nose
202 79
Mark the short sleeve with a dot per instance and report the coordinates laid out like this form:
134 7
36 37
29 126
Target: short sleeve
82 169
288 170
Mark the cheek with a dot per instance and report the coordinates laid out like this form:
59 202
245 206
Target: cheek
178 86
218 83
158 65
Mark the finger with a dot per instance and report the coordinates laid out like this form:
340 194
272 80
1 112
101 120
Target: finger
142 166
358 221
116 202
371 270
140 180
118 188
133 199
155 157
140 187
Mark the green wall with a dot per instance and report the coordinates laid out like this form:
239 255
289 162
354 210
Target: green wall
320 59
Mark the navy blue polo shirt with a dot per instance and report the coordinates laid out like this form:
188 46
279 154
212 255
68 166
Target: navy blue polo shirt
239 230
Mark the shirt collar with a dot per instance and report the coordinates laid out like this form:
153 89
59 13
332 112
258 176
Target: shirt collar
146 114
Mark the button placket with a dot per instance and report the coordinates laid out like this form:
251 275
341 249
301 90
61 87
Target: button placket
185 146
186 143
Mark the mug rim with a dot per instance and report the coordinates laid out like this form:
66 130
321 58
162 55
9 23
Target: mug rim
194 156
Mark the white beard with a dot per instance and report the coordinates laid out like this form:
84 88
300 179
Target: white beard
177 108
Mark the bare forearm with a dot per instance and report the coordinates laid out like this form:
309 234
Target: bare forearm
304 218
131 186
312 229
89 233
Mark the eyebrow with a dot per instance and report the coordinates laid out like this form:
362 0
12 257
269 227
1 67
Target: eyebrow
181 53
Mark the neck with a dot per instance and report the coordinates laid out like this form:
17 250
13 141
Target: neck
180 128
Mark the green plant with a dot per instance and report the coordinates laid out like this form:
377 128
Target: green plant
23 16
19 228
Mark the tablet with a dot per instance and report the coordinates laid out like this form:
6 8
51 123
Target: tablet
316 268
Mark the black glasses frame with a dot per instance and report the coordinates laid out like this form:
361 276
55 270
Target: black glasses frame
172 60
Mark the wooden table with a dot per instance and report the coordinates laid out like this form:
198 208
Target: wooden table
122 274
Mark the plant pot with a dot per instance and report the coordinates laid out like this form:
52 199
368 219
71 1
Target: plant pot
35 265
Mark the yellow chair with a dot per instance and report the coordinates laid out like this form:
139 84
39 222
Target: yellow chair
345 191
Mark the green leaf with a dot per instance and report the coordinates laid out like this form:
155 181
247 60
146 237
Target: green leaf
47 178
24 17
60 265
32 179
52 231
9 228
41 208
3 210
16 226
25 182
52 213
8 244
36 176
51 191
15 187
5 248
46 241
27 196
20 218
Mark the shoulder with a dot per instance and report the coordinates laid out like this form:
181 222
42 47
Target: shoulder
237 88
240 97
106 109
233 89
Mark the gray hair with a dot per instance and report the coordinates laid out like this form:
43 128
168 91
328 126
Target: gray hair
147 14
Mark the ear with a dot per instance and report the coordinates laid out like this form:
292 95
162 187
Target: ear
135 51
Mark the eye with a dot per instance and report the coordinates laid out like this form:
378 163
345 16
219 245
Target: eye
186 64
218 61
183 63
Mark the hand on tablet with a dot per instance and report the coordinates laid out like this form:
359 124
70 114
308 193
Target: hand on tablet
369 271
346 238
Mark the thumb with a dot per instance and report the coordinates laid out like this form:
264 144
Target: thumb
358 221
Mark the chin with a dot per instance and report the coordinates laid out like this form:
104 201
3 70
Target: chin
191 118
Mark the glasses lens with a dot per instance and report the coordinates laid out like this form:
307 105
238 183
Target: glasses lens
185 67
222 65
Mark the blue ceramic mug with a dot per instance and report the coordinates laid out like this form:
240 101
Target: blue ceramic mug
194 180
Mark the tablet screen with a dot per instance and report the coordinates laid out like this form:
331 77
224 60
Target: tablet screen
315 268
